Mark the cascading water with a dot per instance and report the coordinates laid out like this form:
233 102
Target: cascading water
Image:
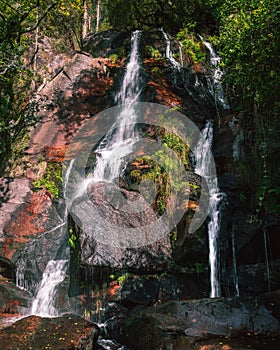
265 239
235 276
214 81
44 303
169 53
122 135
202 155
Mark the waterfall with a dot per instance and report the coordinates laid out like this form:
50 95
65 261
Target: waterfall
122 135
235 276
67 174
214 81
169 55
44 303
202 155
21 281
266 259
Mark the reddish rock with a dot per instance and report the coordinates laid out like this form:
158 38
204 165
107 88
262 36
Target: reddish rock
26 222
55 153
164 95
67 101
68 332
13 300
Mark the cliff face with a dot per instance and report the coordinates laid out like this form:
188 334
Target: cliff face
35 224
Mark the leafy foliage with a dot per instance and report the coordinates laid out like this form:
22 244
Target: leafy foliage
191 46
52 179
249 44
171 15
161 166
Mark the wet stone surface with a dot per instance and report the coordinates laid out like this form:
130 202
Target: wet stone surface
68 332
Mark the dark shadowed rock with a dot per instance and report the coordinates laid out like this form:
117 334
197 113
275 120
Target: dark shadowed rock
107 202
105 43
195 319
13 300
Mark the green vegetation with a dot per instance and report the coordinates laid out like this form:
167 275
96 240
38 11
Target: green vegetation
52 179
249 46
152 52
123 278
171 15
163 169
114 58
191 46
72 238
245 32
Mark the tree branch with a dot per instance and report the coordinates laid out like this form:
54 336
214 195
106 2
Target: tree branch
3 17
11 7
26 14
28 30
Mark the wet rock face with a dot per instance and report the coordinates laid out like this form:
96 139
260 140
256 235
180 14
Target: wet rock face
13 301
32 260
23 217
163 324
106 43
33 332
109 204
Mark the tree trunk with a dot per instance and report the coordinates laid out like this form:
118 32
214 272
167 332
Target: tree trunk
97 15
86 20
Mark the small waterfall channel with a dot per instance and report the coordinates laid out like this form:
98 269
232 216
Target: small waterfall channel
169 53
119 140
214 80
202 155
44 303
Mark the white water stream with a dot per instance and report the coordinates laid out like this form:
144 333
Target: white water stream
122 135
44 303
110 154
235 275
169 53
203 158
215 80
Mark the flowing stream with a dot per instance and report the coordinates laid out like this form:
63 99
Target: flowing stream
122 135
203 156
44 303
265 240
215 80
235 275
169 53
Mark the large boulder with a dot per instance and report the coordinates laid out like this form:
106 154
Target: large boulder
13 300
33 332
106 201
160 325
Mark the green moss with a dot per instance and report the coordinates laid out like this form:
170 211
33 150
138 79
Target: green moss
155 70
151 52
191 46
123 278
114 58
51 181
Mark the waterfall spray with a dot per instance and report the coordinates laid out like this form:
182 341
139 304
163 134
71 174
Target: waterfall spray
44 302
122 135
235 276
265 238
202 167
215 80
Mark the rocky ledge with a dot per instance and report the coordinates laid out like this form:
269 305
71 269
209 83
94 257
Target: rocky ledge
68 332
164 326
